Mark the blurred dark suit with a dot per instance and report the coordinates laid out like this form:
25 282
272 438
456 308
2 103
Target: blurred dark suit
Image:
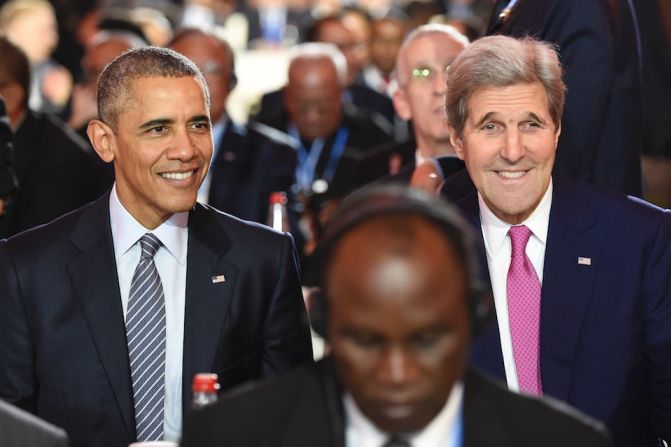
56 174
304 409
251 162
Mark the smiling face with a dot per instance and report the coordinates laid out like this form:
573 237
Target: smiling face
509 144
398 320
161 147
421 96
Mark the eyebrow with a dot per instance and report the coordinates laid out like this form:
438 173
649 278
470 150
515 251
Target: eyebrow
487 116
165 121
199 119
155 122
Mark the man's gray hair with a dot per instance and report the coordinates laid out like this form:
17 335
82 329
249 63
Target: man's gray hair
320 50
114 84
501 61
401 72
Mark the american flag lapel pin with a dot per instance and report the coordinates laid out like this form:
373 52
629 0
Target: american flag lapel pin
218 278
584 261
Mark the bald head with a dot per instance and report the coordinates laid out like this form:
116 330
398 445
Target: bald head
313 96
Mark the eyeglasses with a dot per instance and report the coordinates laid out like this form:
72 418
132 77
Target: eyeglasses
426 73
210 68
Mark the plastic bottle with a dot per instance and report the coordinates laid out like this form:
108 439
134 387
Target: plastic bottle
205 388
278 218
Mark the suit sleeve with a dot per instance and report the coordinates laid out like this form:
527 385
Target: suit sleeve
17 378
657 332
286 330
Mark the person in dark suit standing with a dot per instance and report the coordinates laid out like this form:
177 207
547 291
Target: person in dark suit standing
583 304
399 300
249 162
54 167
599 46
107 313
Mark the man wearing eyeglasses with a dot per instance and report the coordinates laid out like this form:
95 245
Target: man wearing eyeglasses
420 97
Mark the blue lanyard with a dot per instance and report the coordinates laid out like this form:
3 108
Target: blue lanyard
307 161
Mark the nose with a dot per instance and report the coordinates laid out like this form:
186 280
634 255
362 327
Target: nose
440 82
513 147
182 146
397 367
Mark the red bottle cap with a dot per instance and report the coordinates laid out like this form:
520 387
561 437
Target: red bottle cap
278 197
205 382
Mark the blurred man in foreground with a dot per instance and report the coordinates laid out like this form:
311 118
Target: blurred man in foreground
399 300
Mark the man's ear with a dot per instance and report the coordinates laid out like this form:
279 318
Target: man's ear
401 104
102 139
457 142
557 133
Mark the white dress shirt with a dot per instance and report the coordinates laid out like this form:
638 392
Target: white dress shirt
441 431
498 247
170 260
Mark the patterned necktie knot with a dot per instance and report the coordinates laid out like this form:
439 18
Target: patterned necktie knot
519 236
149 245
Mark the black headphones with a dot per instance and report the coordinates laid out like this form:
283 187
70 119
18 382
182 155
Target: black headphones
379 200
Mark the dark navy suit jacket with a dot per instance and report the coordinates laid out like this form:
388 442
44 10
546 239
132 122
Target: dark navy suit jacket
606 322
601 135
63 349
252 162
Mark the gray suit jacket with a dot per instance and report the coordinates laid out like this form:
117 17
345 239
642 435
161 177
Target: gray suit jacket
19 428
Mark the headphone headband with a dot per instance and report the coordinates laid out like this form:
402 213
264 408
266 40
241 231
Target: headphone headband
396 199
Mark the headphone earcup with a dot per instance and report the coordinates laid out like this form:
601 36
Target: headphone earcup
318 312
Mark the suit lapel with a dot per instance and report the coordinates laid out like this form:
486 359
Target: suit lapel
96 286
572 243
210 282
486 346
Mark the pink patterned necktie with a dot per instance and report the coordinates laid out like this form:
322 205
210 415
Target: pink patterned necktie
524 305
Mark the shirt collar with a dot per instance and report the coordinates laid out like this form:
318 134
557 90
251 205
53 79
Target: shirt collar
126 230
494 230
437 433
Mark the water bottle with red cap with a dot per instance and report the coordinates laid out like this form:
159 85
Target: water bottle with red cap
205 388
278 218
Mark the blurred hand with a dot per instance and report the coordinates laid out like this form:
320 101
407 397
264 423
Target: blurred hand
428 177
83 106
57 85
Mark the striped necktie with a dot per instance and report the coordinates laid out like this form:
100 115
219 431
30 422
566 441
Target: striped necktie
145 331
